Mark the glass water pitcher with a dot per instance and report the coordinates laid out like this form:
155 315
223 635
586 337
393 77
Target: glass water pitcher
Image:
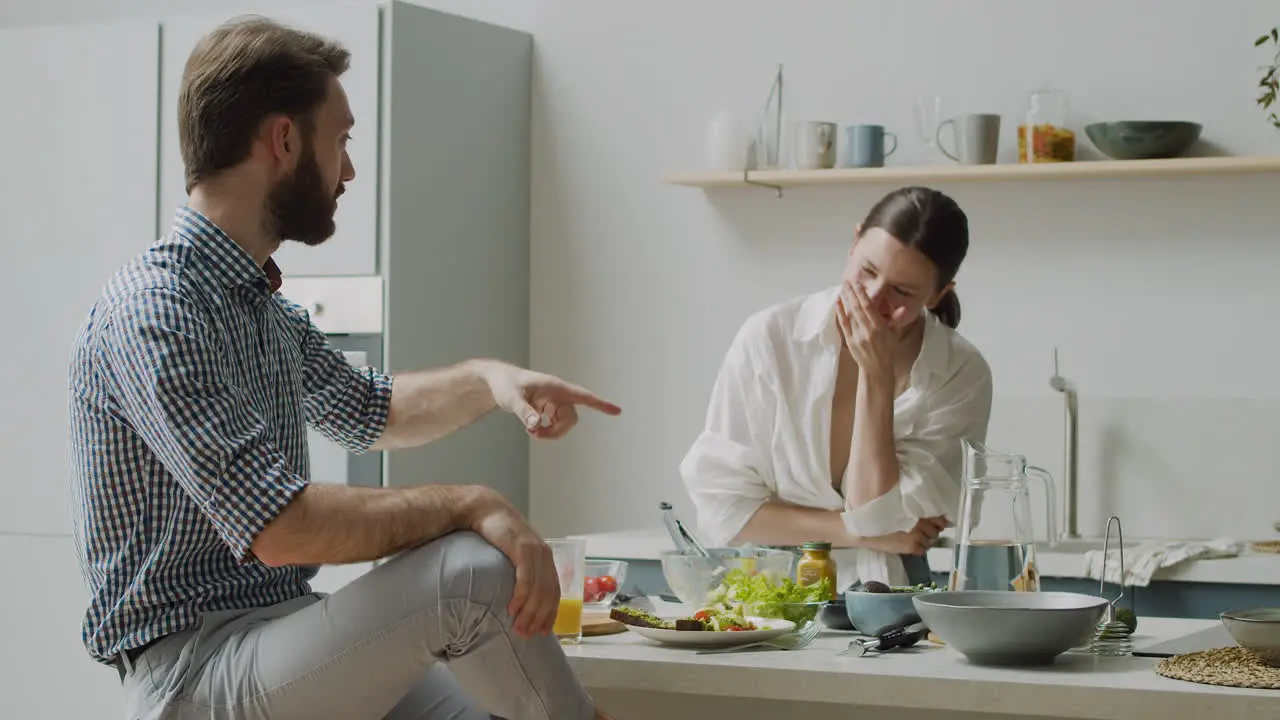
995 544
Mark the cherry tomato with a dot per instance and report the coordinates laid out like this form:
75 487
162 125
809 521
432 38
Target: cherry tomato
735 628
608 584
591 590
702 615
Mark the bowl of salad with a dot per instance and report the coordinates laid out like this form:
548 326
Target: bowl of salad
767 595
874 607
692 578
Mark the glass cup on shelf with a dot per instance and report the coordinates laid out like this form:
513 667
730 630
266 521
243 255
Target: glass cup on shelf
570 556
928 117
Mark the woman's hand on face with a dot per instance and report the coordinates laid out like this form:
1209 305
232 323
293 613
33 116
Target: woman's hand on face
867 336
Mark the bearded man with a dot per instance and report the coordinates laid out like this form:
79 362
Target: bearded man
192 384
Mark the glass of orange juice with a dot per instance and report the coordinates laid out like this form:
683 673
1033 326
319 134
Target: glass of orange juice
571 565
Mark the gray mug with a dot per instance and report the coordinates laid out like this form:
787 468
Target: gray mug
813 145
866 145
977 138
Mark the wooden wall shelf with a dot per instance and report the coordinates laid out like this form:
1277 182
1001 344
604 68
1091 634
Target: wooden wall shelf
1080 170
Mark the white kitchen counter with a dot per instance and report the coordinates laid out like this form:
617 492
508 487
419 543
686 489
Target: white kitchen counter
635 678
1249 568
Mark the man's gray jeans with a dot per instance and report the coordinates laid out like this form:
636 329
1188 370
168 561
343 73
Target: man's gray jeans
425 635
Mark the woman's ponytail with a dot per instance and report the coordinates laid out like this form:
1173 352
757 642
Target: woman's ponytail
948 310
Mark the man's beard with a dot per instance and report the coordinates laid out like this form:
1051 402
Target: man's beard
299 207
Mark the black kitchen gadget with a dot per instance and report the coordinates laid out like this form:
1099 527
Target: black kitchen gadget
900 637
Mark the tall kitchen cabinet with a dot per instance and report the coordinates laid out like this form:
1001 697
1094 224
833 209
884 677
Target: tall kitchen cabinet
431 263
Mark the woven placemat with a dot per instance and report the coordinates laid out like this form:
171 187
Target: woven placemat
1266 546
1229 666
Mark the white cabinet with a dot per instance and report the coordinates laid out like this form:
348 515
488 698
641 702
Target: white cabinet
77 199
47 672
353 250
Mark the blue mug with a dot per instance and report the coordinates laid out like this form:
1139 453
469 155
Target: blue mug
866 145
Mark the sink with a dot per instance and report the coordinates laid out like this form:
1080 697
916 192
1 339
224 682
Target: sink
1082 545
1074 546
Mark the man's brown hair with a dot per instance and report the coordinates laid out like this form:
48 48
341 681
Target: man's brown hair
244 71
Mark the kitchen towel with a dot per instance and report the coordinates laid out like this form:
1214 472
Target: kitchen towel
1142 562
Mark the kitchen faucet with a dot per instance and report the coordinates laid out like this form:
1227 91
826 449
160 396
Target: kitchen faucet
1070 452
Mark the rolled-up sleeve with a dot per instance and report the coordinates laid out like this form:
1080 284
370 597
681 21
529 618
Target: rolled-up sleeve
346 404
170 381
724 471
931 456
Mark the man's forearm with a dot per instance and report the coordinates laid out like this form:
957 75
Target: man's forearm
427 405
873 455
336 524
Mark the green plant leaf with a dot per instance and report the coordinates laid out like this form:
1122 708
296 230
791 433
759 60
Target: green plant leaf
1269 84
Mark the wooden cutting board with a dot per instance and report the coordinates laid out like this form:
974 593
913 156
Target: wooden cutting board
595 624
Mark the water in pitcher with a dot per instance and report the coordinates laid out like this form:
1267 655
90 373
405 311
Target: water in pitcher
996 565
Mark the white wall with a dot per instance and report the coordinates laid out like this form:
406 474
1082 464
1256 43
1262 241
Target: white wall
13 13
1157 292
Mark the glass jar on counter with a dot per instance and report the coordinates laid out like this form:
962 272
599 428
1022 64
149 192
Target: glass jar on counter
815 564
1046 123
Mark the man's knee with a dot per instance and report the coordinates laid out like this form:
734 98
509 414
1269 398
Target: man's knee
469 567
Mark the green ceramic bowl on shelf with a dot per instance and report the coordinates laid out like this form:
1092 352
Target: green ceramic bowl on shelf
1143 139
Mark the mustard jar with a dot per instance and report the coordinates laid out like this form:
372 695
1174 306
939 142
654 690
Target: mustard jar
815 564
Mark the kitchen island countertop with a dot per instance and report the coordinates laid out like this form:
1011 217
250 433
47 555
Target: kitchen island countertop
1249 568
636 678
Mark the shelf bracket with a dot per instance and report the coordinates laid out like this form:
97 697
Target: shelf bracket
746 178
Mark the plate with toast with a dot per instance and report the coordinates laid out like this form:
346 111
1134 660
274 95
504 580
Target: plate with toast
707 628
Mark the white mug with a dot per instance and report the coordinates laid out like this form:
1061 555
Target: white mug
728 143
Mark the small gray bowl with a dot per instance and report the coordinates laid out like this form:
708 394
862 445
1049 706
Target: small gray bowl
876 613
1143 139
993 627
1256 630
833 615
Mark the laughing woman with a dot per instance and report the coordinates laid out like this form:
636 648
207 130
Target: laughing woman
838 416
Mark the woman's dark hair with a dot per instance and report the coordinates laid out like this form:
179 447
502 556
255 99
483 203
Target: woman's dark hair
932 223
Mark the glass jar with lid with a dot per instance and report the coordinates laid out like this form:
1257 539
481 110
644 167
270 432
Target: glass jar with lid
816 565
1046 123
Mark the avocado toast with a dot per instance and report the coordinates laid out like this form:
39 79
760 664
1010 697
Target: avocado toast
705 620
639 618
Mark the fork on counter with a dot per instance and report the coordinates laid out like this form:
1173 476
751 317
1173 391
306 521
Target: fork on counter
790 641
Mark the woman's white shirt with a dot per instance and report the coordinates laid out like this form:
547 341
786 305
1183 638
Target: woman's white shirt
768 431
